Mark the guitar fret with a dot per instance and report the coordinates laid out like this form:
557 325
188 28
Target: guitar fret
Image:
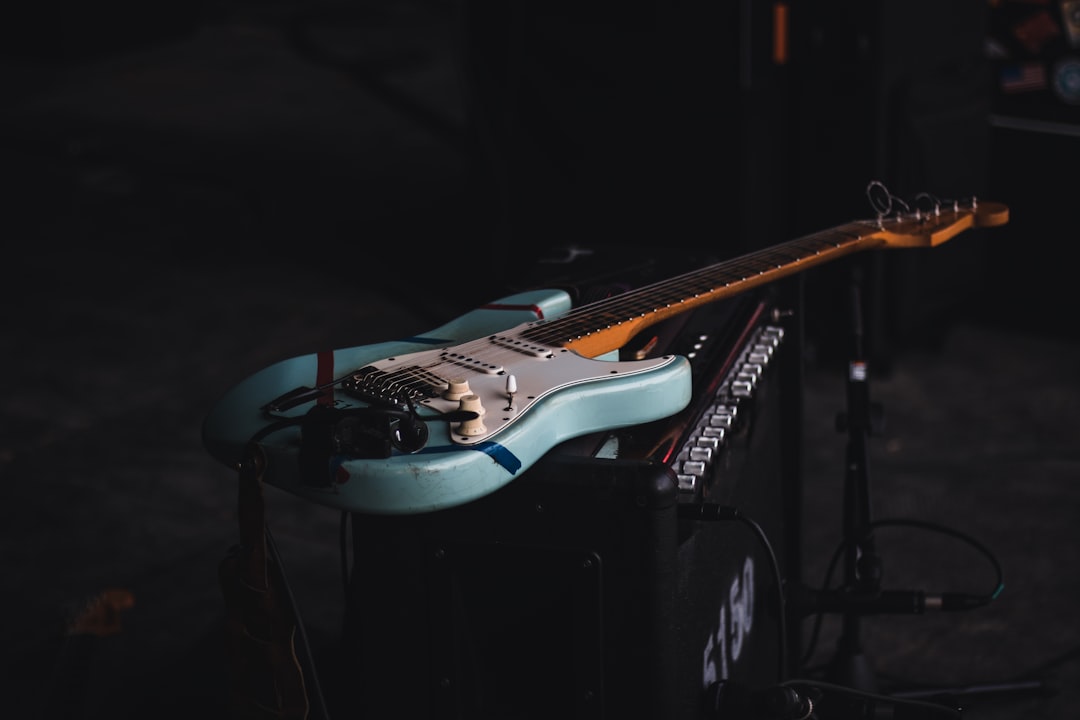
694 287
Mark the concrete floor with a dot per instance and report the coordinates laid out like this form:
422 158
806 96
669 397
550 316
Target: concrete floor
183 214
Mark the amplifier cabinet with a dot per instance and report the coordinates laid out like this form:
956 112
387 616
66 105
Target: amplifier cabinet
587 588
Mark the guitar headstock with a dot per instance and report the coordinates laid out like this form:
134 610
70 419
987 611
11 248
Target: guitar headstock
929 228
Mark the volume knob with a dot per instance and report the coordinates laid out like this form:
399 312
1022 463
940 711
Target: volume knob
471 403
457 389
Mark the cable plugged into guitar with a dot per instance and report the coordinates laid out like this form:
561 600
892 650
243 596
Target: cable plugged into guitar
369 433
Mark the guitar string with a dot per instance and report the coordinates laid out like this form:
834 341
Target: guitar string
706 281
626 306
855 235
621 308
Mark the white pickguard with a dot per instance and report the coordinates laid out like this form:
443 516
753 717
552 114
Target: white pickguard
485 366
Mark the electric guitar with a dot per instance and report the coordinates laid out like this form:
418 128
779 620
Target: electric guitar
425 423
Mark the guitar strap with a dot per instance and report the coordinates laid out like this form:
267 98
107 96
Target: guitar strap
267 680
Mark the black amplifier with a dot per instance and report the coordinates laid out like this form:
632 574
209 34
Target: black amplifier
622 575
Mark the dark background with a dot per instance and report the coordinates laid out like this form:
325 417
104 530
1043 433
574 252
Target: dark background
195 191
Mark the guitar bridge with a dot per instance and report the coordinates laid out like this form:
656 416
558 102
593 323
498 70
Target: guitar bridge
397 389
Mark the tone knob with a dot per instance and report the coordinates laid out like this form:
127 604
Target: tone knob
457 389
471 403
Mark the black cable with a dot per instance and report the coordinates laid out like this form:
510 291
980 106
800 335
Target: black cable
311 678
815 631
343 533
999 587
1052 663
779 580
934 709
710 511
1024 681
274 427
903 522
312 686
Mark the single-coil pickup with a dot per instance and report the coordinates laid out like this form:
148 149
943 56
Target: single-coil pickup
522 346
470 362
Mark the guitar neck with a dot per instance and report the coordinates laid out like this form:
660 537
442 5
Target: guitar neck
602 327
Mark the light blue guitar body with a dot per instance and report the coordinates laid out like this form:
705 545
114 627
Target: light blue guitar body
560 395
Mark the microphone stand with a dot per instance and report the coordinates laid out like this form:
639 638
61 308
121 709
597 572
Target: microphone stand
861 592
849 665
